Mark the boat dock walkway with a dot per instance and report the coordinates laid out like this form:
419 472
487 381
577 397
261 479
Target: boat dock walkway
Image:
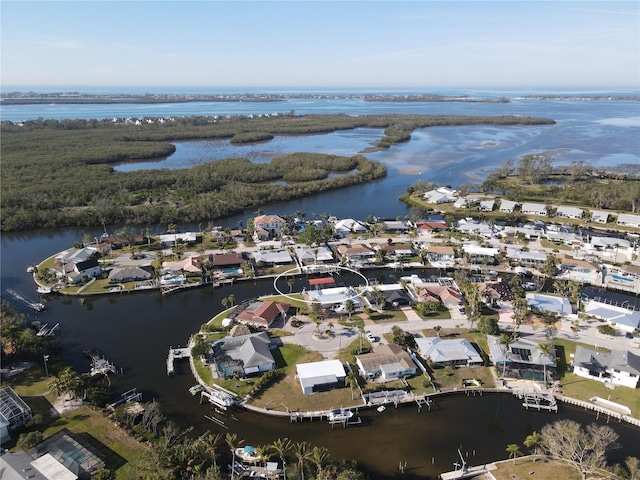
176 354
537 400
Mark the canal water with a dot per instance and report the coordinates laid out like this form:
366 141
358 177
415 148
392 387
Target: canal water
135 332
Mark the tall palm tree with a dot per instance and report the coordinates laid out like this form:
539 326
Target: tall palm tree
232 299
545 349
350 307
514 451
212 441
282 446
532 442
352 381
506 341
302 453
233 442
319 456
262 452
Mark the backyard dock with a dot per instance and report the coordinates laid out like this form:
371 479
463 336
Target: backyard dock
176 354
537 400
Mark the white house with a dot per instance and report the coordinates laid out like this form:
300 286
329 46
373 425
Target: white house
457 351
320 376
549 303
464 202
526 259
387 361
619 367
348 225
569 212
628 220
507 206
534 209
441 195
619 317
172 239
273 257
486 205
599 216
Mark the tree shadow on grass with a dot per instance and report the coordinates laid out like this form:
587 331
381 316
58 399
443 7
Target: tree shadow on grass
278 358
112 459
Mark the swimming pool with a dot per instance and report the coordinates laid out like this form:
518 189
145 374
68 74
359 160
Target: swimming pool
620 278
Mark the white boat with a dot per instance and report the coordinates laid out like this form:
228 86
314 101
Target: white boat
43 289
220 399
381 408
247 454
339 415
195 389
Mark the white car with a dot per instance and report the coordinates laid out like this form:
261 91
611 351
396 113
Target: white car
372 338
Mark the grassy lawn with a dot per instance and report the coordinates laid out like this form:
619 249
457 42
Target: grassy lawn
542 469
387 316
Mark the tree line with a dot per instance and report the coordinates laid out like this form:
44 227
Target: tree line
60 172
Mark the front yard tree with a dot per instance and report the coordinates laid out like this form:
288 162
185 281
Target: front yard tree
350 307
546 349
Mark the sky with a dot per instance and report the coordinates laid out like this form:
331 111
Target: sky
386 44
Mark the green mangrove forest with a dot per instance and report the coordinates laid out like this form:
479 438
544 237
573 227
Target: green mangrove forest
59 173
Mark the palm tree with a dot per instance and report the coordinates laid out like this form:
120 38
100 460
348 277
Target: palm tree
233 442
349 306
302 453
532 441
506 341
437 329
212 441
282 446
263 452
320 455
290 282
352 381
232 299
545 349
225 302
514 451
361 332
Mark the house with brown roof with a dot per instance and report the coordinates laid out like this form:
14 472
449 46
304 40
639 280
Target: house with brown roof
446 294
441 256
189 265
426 227
227 260
397 249
263 313
388 362
357 253
267 226
579 270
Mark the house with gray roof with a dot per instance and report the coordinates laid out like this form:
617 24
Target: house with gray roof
243 355
130 274
534 209
620 318
486 205
598 216
523 358
457 351
526 259
273 257
619 367
388 362
507 206
320 254
628 220
569 212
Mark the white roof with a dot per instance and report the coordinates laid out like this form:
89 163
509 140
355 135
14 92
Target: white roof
322 254
627 218
518 254
350 225
569 211
534 207
273 257
507 205
52 469
597 215
613 314
321 369
441 351
333 296
549 303
478 250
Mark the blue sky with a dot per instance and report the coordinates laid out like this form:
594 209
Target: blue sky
413 44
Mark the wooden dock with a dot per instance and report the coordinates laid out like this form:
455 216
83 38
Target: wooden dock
176 354
537 400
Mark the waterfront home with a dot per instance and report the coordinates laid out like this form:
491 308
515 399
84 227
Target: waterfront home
620 318
446 294
526 259
320 376
394 294
358 253
75 255
598 216
475 227
14 411
569 212
523 358
228 263
629 220
348 225
396 226
130 274
579 270
188 265
267 226
428 227
486 206
387 361
566 238
273 257
441 256
534 209
549 303
507 206
397 249
528 231
77 271
440 195
481 255
442 352
495 292
465 202
333 297
174 239
619 367
262 313
242 355
313 256
625 278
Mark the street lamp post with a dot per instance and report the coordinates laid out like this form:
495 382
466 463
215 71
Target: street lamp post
46 370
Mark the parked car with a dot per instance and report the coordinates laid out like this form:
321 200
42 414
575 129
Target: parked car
372 338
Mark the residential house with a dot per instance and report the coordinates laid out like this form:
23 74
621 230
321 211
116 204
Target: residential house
579 270
397 249
320 376
495 292
387 361
620 318
507 206
441 352
358 253
77 271
569 212
243 355
14 411
625 278
628 220
130 274
396 226
262 313
565 238
273 257
76 255
523 358
486 205
534 209
481 255
314 255
187 265
549 303
427 227
348 225
465 202
598 216
618 367
441 256
334 297
173 239
267 226
528 231
475 227
446 294
526 259
228 262
440 195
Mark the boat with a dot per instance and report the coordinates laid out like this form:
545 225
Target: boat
220 399
195 389
31 269
381 408
43 290
37 306
101 366
339 415
248 454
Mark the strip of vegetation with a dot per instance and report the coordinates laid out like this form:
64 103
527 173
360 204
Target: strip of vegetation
250 137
